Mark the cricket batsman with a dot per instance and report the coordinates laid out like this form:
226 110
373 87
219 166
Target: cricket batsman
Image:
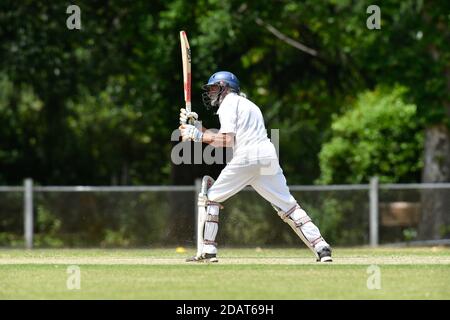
254 163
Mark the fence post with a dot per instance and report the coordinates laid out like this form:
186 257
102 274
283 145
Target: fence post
198 186
373 219
28 213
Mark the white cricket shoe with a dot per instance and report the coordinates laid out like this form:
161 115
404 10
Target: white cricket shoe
324 254
204 257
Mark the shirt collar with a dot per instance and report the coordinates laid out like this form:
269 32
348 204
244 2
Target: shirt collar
226 97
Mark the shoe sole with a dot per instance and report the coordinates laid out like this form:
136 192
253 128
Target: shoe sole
326 259
212 260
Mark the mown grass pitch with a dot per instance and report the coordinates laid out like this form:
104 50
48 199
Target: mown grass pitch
411 273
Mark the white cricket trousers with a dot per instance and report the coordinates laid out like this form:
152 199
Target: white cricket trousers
270 183
267 179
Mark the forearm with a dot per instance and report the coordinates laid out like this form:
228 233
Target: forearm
217 139
201 134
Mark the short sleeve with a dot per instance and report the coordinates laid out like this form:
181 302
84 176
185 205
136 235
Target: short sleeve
228 116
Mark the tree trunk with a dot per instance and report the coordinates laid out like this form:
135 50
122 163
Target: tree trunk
435 220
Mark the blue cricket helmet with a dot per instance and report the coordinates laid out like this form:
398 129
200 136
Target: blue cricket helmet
224 76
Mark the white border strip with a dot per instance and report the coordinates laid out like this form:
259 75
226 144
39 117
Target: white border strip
11 189
112 188
342 187
420 186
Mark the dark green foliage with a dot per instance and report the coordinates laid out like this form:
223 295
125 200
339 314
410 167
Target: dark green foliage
380 135
97 106
67 94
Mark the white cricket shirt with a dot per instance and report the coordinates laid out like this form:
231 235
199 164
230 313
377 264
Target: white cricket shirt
242 117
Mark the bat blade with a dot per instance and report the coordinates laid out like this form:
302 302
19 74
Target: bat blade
186 57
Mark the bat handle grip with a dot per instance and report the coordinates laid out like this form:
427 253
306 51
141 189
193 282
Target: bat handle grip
189 109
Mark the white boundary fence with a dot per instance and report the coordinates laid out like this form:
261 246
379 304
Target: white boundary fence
372 188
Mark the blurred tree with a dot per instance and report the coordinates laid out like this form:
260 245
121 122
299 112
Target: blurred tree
114 54
412 49
109 93
380 135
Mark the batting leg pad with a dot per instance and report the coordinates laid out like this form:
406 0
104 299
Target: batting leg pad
207 219
211 228
302 225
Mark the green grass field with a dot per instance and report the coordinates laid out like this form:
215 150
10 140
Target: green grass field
411 273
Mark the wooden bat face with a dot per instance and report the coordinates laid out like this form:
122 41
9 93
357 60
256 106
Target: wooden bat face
186 56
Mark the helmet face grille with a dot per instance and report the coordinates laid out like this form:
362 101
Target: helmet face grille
213 99
223 79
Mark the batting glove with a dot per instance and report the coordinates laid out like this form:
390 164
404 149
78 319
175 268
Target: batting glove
189 132
185 116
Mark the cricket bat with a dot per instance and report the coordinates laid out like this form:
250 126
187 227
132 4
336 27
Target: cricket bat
186 57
